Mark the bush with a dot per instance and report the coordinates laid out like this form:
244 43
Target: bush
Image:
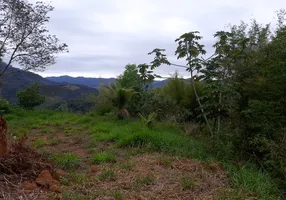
4 106
30 98
104 109
262 135
147 102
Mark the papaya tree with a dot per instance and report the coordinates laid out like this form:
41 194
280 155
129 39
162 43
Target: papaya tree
189 49
218 75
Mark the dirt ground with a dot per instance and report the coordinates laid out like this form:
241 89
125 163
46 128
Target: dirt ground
132 176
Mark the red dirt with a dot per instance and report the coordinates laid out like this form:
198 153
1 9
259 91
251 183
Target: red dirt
3 137
19 168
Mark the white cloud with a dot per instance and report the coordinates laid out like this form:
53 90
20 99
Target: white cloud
103 36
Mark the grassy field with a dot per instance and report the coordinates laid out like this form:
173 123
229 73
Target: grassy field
110 159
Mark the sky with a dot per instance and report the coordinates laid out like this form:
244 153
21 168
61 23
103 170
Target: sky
103 36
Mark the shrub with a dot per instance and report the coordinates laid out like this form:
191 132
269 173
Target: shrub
30 97
149 119
4 106
147 102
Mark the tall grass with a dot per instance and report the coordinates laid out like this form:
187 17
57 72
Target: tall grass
169 141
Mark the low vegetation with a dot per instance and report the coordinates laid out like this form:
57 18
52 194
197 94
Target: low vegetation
149 154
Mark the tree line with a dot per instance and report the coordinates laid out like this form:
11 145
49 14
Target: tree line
237 95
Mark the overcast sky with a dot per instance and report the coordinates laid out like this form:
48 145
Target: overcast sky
103 36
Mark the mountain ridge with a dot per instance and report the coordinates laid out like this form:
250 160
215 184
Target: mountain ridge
15 80
92 82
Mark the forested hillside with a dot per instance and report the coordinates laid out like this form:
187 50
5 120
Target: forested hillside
92 82
16 80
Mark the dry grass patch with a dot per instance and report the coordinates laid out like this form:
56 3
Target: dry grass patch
148 178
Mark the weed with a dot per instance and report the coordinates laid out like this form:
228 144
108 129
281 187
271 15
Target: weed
47 131
78 139
145 181
187 183
166 162
78 178
127 166
91 150
54 142
103 157
64 181
67 160
118 196
39 143
46 153
108 175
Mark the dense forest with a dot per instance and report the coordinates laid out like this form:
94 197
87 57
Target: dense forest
233 102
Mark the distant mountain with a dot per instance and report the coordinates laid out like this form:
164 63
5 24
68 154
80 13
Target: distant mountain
159 83
92 82
15 80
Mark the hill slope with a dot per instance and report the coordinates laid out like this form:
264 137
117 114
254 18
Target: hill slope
16 79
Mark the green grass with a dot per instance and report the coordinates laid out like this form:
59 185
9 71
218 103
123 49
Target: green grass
135 136
39 143
103 157
253 181
102 128
67 161
131 135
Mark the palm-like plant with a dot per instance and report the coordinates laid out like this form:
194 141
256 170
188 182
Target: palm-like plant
120 97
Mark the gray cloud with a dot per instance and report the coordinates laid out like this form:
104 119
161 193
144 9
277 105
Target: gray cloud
103 36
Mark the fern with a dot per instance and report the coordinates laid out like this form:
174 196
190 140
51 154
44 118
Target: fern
149 120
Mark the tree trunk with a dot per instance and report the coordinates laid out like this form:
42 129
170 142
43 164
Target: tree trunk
3 137
218 118
200 105
123 113
196 94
